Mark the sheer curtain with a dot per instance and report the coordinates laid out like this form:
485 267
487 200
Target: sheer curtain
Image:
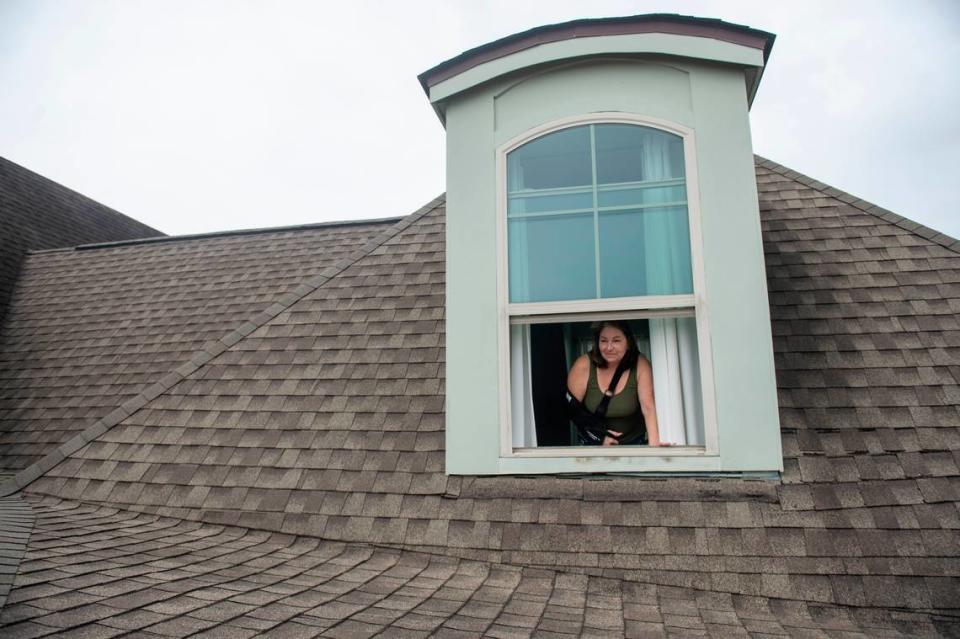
666 235
521 388
676 380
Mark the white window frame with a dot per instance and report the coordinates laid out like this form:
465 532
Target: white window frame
594 309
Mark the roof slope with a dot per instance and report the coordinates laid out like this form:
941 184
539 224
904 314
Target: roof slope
37 213
94 327
98 572
326 420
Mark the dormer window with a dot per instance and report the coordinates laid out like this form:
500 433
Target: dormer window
598 227
603 170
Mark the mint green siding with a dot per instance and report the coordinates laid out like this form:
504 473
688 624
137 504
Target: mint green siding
706 97
472 412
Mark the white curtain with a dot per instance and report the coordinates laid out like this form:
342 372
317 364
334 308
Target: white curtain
665 241
676 380
521 389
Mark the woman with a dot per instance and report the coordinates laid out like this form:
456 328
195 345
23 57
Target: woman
590 378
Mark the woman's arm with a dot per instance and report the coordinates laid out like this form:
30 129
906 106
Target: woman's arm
578 376
647 403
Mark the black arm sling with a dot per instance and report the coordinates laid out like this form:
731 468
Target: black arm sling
591 427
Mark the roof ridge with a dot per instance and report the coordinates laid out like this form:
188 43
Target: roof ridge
160 239
206 353
927 233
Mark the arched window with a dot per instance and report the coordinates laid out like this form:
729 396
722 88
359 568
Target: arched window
596 224
598 211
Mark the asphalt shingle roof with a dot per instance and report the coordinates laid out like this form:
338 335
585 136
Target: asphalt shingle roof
96 571
96 327
37 213
321 417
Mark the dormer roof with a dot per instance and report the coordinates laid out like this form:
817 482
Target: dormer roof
655 34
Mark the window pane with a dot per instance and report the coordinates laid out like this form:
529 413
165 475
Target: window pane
624 270
645 252
555 160
629 153
640 209
552 258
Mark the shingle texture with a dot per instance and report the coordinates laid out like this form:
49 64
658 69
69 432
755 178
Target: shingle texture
95 571
16 523
36 213
95 328
324 419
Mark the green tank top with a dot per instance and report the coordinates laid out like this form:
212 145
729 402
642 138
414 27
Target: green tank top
623 411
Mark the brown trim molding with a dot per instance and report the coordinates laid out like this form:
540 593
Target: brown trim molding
651 23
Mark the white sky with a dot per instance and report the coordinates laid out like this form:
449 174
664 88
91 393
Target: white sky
207 115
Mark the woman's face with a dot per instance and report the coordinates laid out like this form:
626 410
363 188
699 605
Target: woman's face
613 344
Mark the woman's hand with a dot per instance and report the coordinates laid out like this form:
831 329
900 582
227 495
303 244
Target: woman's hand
611 438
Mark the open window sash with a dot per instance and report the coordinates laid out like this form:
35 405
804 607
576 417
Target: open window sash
671 347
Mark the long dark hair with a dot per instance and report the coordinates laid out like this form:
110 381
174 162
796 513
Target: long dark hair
630 357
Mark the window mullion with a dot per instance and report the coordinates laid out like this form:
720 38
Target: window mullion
596 214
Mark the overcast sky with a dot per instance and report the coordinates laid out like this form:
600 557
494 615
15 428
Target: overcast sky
206 115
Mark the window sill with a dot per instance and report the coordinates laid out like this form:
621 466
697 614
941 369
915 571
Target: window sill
581 452
588 460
